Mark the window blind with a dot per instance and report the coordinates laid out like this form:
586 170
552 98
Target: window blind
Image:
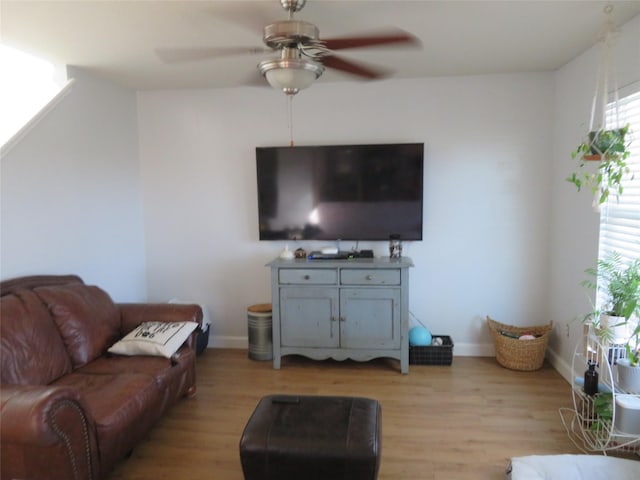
620 218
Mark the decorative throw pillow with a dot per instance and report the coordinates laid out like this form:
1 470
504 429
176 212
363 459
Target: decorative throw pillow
572 467
86 317
154 338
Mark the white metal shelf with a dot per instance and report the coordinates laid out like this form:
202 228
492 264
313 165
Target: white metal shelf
595 433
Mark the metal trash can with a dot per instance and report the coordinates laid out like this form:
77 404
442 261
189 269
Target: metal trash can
260 340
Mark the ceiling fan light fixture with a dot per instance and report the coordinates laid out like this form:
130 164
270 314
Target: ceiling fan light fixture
290 74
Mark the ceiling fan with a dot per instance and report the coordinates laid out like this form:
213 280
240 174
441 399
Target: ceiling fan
303 54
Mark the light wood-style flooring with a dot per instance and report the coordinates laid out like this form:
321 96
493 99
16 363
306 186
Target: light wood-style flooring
459 422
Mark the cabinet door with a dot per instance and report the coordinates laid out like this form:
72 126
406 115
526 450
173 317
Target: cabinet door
309 317
370 318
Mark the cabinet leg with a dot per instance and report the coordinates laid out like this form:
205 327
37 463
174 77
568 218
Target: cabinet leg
276 362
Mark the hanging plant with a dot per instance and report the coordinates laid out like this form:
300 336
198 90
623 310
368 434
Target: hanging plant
606 140
611 150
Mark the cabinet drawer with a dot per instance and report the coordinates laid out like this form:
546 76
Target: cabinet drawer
307 275
370 277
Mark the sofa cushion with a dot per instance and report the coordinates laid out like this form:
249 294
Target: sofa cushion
32 350
173 377
88 320
123 406
113 399
161 369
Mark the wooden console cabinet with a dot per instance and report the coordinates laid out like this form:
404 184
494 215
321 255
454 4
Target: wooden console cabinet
341 309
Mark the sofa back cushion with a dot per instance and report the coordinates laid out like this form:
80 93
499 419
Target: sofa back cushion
32 352
87 318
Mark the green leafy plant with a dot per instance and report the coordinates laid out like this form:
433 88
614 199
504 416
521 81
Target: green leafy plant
633 347
613 152
603 408
621 284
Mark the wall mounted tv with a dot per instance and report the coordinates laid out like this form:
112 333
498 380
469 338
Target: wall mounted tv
346 192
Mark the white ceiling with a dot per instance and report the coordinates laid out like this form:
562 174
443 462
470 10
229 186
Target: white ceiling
116 39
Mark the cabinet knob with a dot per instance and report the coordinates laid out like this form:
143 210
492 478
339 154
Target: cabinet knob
342 319
369 277
306 277
333 319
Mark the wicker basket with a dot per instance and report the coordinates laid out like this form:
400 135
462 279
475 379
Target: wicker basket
525 355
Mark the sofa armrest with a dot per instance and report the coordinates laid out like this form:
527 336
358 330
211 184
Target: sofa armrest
133 314
49 423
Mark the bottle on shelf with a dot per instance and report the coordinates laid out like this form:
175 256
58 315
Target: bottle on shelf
591 379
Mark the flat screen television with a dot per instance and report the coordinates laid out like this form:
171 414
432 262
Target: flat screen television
340 192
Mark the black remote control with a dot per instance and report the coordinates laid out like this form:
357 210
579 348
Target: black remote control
285 399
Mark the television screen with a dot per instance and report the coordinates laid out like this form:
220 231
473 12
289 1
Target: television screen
340 192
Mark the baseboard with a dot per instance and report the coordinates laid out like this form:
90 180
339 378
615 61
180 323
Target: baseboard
561 366
459 349
228 342
487 350
473 349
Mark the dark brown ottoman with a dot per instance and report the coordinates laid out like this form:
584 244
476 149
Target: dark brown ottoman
312 437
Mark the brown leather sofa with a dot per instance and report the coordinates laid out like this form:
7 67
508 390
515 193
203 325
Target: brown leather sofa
69 409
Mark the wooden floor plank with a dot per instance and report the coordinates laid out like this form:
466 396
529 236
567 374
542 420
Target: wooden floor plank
462 421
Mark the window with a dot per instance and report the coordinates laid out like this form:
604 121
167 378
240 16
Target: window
620 219
27 83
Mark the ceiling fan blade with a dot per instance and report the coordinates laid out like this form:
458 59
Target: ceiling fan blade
191 54
358 69
388 37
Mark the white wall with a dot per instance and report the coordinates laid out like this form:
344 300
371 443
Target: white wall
485 248
71 198
504 234
574 224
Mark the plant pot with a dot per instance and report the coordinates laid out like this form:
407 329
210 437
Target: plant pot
628 376
617 326
628 414
605 142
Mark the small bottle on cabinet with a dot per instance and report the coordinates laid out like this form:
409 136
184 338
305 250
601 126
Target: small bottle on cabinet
395 246
591 379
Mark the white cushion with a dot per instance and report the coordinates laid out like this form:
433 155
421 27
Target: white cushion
573 467
154 338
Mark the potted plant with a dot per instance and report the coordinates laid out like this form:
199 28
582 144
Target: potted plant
610 148
603 410
621 286
629 368
633 347
617 323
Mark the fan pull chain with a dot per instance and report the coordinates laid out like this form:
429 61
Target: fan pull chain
290 111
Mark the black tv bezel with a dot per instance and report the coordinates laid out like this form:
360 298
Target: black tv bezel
262 237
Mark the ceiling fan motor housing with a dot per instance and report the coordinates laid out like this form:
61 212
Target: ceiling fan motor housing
290 73
290 32
292 5
303 56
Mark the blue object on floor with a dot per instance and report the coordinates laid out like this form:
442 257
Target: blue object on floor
419 337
